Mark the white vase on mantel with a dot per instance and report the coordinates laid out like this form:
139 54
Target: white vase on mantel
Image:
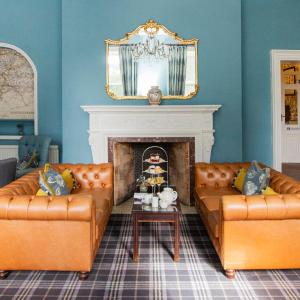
154 95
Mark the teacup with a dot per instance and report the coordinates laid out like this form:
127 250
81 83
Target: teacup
147 199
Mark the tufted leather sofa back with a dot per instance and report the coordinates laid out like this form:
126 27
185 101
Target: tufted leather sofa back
216 174
222 175
26 185
283 184
90 176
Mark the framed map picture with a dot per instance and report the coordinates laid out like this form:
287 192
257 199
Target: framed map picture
16 86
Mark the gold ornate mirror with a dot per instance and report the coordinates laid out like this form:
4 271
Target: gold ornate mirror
151 55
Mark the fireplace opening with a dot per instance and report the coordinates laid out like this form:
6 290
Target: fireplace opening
126 155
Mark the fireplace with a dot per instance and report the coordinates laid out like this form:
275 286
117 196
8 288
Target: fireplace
125 154
188 129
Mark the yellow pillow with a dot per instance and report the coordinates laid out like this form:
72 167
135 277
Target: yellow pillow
40 192
240 179
268 191
68 178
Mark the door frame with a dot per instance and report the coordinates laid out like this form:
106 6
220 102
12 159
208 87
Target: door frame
276 57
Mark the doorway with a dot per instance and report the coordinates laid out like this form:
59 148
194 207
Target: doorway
286 111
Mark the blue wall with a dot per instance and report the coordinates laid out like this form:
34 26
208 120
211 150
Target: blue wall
35 27
85 26
266 25
65 39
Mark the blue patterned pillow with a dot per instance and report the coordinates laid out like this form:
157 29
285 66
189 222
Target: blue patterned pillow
256 179
52 183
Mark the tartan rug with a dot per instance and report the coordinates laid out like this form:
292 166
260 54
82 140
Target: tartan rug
198 275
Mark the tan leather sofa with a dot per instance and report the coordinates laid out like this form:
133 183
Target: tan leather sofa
55 233
249 232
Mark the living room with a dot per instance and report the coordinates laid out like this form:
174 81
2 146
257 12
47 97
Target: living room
156 198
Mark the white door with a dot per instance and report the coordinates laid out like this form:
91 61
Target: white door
290 111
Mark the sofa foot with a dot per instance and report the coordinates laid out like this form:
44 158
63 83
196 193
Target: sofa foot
3 274
230 274
83 275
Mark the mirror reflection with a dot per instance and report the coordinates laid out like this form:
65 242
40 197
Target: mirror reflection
150 56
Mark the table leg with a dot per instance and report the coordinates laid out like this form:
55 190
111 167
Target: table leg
135 239
176 239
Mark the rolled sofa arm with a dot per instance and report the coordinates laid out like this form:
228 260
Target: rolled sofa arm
259 207
26 207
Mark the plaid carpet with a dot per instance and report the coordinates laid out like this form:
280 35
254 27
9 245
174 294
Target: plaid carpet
198 275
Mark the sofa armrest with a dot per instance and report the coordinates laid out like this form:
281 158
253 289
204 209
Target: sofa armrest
259 207
67 208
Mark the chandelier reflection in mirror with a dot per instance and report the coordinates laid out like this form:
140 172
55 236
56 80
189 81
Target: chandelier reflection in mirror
151 55
152 48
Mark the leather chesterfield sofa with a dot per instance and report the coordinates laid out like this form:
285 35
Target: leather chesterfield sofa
249 232
55 232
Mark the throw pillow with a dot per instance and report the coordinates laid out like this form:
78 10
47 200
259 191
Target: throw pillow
30 160
240 179
40 192
70 179
256 179
268 191
52 183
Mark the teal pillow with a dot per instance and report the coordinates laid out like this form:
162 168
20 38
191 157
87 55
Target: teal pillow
52 183
256 179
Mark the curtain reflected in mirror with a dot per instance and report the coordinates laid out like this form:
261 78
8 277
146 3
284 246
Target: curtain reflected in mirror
177 70
128 67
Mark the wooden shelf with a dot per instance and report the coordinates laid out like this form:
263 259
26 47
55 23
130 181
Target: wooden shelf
10 137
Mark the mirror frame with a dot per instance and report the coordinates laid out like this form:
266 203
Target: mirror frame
151 24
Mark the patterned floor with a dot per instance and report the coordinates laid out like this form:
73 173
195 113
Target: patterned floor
197 276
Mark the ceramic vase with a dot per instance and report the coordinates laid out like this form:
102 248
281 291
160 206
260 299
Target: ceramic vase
154 95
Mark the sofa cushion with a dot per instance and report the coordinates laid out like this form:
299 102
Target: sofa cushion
213 192
210 197
211 203
213 222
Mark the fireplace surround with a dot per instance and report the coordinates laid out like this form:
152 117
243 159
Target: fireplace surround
111 124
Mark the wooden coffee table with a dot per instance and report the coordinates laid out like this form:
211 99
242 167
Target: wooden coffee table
145 213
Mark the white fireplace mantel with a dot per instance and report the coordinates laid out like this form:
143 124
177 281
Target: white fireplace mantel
151 121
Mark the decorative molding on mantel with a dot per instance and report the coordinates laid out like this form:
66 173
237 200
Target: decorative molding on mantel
151 121
150 108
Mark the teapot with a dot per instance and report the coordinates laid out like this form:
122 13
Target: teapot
168 195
